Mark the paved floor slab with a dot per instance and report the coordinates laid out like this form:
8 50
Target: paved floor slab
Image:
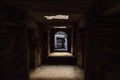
57 72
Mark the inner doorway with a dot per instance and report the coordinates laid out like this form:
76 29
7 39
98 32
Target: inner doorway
60 46
60 42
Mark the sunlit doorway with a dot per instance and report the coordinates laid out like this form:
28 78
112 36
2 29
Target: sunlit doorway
60 42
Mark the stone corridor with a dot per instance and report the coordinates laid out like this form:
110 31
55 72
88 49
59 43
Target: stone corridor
57 72
28 49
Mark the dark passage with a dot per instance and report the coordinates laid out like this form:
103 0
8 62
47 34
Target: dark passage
59 39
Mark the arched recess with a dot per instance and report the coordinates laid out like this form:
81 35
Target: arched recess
60 41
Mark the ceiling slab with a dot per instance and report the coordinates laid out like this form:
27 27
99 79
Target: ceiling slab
40 8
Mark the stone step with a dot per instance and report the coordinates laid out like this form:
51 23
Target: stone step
61 60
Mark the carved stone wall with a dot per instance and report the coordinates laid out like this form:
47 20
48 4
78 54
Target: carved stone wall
102 51
14 48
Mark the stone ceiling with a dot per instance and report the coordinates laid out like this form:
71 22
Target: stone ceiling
40 8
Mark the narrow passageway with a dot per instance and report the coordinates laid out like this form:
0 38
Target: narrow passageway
51 39
57 72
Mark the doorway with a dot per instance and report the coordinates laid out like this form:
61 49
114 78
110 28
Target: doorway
60 46
60 41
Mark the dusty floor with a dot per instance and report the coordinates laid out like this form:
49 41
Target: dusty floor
57 72
60 54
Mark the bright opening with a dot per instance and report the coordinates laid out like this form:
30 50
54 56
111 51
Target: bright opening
60 43
60 27
57 17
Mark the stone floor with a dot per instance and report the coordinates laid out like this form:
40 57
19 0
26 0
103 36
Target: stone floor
57 72
60 54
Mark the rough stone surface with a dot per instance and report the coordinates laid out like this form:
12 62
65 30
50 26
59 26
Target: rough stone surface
57 72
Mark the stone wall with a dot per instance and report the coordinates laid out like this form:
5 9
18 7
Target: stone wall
14 48
14 53
35 48
102 51
81 46
43 32
99 48
101 44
